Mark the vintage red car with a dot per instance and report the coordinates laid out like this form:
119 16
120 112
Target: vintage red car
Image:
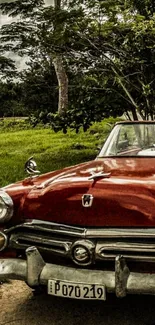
87 229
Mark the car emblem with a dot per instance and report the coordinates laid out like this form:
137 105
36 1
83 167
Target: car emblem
87 200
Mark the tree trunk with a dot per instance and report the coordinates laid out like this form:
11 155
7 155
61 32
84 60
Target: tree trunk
60 69
134 114
57 4
62 83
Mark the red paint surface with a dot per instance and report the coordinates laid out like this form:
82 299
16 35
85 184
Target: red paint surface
8 253
127 198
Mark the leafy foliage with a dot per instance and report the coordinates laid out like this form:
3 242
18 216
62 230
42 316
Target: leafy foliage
7 68
39 88
11 100
107 50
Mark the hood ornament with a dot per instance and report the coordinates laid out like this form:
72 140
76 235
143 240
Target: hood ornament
96 175
87 200
31 167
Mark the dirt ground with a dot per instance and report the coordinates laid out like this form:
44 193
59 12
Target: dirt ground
18 306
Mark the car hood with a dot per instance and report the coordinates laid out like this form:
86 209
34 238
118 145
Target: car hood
125 197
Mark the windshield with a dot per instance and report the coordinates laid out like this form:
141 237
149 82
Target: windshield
130 139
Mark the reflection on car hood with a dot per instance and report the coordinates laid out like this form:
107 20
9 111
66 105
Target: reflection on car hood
126 198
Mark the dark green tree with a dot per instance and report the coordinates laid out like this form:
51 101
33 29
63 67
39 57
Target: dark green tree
7 68
104 48
11 99
39 88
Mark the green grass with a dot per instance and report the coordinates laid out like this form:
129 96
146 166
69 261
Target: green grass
50 150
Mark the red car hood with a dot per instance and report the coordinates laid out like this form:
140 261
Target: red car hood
125 198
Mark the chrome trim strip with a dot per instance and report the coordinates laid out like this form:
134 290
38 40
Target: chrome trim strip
144 252
120 233
50 227
131 251
85 232
23 241
134 247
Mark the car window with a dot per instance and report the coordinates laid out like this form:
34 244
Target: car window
133 139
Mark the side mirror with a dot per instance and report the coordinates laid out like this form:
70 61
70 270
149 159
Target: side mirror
31 167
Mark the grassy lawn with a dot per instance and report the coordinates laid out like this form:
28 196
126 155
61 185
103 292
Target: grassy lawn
51 150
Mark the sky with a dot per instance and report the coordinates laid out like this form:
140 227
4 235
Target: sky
4 19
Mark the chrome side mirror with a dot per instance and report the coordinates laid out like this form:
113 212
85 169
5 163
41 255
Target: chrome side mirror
31 167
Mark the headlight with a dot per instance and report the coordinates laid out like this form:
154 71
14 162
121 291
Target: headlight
6 207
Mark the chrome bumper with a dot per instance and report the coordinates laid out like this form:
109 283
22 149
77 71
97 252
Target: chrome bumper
36 272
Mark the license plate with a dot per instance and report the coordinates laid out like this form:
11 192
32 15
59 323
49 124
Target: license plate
76 290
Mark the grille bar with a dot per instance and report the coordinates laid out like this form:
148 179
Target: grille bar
83 232
49 227
133 251
23 241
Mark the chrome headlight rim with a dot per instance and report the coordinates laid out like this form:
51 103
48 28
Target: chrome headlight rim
6 207
6 241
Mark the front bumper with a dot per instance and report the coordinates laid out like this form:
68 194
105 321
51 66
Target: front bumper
36 272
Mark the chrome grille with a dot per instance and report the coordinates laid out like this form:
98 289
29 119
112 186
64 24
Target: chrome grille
133 244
